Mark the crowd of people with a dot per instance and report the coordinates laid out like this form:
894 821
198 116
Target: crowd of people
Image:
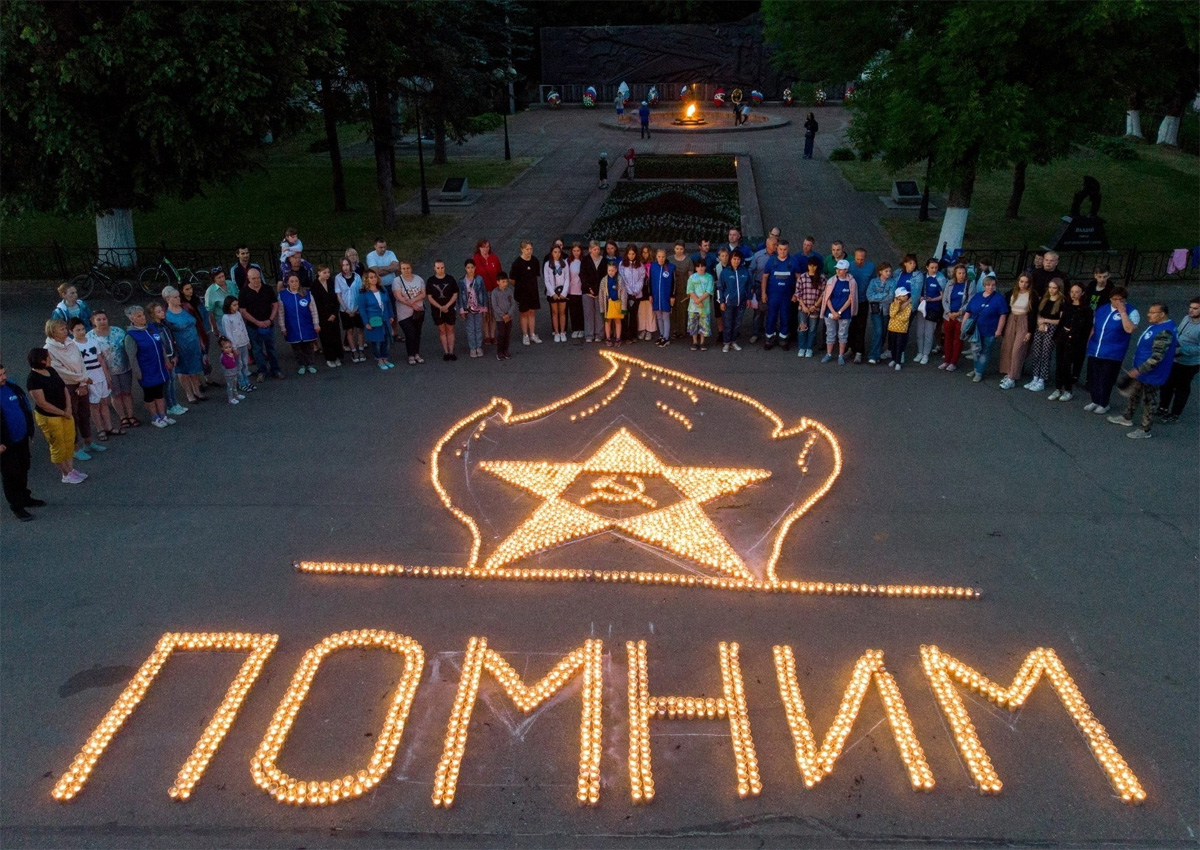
80 382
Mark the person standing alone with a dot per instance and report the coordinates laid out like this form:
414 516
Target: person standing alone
644 119
810 134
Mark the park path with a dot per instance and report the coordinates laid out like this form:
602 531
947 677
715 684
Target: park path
558 194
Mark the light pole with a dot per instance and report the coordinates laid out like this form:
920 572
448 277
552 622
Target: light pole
417 87
506 76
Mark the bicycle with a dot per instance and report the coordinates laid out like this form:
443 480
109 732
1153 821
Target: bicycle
105 275
152 279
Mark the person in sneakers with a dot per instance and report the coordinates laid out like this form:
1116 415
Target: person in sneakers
1112 329
234 329
633 276
989 309
863 271
473 303
929 310
1070 343
408 290
1153 357
16 429
662 295
880 292
259 306
1049 314
375 307
556 274
324 294
899 315
838 305
1178 388
147 351
778 283
1018 333
955 297
700 291
613 301
348 285
68 364
53 414
810 288
229 365
502 304
735 290
524 277
591 271
99 383
299 321
441 291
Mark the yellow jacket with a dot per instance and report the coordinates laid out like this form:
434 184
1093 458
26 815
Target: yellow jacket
900 314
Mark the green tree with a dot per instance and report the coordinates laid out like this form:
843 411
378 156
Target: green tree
967 86
108 106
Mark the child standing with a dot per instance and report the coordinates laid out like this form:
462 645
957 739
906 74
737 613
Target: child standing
613 303
473 303
229 363
699 292
99 380
290 245
900 313
233 328
502 310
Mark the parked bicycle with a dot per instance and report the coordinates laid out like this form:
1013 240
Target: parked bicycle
107 277
152 279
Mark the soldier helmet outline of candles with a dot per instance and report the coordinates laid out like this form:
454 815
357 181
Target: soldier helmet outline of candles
554 99
589 97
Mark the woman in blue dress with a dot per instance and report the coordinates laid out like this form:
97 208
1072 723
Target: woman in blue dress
375 307
188 349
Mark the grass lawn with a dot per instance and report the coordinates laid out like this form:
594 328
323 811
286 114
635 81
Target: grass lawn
293 188
1151 203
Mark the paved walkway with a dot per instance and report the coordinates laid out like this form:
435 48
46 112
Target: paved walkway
559 195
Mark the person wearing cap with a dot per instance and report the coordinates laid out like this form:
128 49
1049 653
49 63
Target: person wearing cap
644 118
214 298
838 306
899 315
989 309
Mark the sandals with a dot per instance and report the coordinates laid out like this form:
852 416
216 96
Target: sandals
102 435
131 422
119 432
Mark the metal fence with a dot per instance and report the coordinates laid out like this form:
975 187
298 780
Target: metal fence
59 263
668 93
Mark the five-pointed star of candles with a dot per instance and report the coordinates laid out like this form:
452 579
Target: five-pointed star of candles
681 528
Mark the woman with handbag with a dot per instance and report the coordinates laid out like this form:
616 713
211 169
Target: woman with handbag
375 308
409 291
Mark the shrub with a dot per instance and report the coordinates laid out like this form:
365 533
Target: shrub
841 155
1115 147
866 156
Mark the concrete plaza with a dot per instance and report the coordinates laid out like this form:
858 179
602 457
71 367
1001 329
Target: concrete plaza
1080 540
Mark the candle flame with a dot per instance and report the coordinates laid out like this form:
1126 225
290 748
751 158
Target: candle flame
691 111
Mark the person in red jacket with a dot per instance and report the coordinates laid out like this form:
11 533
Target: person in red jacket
487 266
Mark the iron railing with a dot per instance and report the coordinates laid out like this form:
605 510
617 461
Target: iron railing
59 263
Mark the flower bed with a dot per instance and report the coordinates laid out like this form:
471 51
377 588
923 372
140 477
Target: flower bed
664 212
686 167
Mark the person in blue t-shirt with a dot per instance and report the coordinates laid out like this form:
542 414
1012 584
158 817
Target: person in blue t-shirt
16 427
778 285
989 309
644 119
863 271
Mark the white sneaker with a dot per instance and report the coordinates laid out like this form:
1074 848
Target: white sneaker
536 338
1100 411
1054 396
1007 383
1036 385
858 358
233 400
168 420
896 366
525 339
736 347
724 349
177 410
1065 397
331 364
1121 420
808 352
241 397
1090 407
159 423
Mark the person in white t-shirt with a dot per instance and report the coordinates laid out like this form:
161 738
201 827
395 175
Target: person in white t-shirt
408 291
386 265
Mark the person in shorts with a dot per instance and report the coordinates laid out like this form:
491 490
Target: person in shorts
441 291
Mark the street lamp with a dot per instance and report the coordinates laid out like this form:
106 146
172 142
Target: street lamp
505 76
417 87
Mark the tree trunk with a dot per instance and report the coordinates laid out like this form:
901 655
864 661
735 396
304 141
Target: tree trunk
1018 189
329 109
439 141
1168 130
958 205
923 213
380 129
114 237
391 137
